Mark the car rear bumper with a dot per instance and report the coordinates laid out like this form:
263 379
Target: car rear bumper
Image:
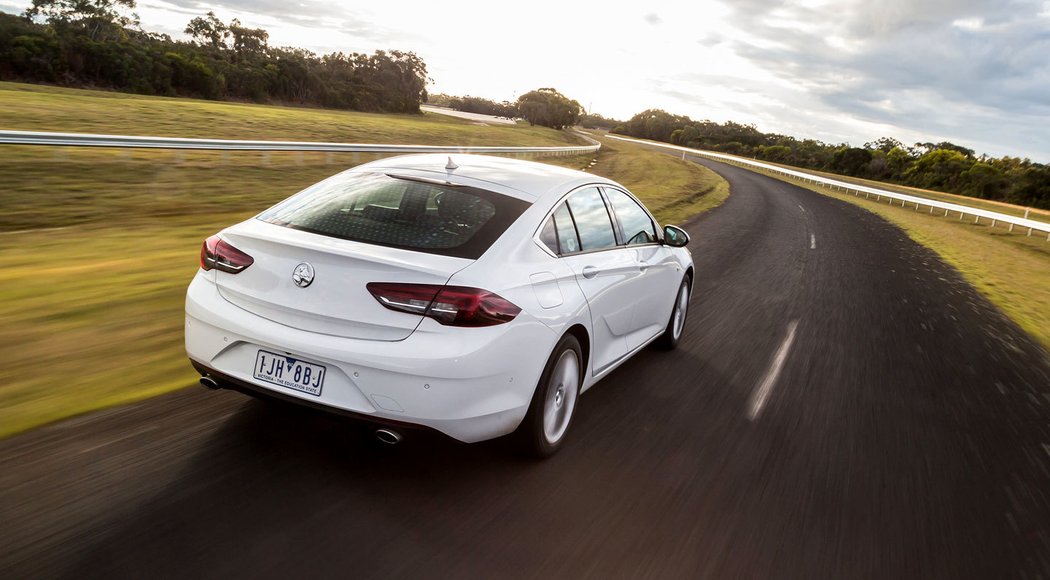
469 383
257 390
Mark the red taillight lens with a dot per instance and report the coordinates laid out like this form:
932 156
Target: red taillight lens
411 298
216 254
449 305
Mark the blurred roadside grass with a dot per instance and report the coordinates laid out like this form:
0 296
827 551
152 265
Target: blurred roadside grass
97 245
1011 269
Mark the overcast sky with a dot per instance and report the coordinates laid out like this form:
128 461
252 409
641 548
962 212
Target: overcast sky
975 72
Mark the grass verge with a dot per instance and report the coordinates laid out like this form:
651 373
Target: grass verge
671 188
97 245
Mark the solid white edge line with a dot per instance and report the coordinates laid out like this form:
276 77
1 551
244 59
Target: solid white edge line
812 242
761 393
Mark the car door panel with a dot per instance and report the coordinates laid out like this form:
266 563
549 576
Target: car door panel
611 297
661 278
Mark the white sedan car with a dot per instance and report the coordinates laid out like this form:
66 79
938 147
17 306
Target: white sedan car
472 295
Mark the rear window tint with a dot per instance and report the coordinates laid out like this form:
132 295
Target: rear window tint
400 212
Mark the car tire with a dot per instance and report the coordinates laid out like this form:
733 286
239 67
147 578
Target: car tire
676 323
544 429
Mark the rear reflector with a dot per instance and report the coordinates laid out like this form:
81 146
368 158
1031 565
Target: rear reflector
449 305
217 254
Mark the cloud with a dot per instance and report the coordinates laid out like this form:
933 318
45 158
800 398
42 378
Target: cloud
12 8
938 66
653 19
316 14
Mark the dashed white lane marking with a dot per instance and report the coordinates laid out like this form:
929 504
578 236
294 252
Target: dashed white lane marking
765 387
801 208
812 242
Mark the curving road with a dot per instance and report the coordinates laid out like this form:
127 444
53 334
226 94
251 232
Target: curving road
843 405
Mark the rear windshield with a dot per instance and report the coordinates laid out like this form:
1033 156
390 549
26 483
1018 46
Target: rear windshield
400 212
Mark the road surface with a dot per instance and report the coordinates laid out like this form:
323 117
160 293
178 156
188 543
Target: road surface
842 405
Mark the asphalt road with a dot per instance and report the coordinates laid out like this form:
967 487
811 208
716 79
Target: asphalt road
843 405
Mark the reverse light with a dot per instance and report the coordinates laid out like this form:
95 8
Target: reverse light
449 305
217 254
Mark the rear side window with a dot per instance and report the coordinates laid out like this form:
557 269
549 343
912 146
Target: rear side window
549 235
559 233
400 212
567 240
592 219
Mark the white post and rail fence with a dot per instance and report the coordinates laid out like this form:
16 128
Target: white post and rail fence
136 142
963 211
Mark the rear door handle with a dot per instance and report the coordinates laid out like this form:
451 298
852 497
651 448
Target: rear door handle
590 271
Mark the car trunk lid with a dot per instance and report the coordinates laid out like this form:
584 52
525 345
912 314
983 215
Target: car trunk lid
334 301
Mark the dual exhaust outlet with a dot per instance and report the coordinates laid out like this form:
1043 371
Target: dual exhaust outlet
383 435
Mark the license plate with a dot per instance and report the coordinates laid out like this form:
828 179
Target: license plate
290 372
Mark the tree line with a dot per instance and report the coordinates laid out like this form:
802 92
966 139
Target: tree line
99 43
940 166
546 107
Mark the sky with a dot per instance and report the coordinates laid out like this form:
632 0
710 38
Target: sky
974 72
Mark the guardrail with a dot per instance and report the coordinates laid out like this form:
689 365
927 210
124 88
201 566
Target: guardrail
836 185
135 142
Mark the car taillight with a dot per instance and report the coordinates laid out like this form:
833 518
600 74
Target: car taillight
449 305
217 254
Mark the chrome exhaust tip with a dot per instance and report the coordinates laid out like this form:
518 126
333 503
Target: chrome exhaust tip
388 437
209 382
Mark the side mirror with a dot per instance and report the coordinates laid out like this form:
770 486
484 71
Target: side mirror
675 236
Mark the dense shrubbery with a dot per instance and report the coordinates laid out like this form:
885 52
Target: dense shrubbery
595 121
940 166
549 108
99 44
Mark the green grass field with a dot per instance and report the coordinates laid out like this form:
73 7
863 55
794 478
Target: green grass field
97 245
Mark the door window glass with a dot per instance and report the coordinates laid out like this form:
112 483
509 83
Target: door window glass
636 223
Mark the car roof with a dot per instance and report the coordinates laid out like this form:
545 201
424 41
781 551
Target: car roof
534 180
